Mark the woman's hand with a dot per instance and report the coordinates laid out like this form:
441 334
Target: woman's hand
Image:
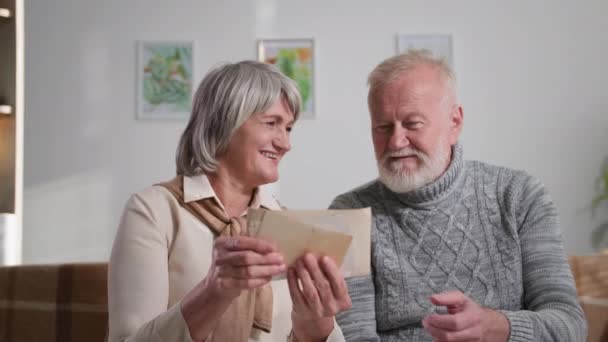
318 292
241 263
238 263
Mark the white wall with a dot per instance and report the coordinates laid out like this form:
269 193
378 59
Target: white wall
531 77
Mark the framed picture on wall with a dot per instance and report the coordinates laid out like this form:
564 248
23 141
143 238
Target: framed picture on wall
164 79
439 44
295 59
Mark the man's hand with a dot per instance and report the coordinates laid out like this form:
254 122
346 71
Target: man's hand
465 320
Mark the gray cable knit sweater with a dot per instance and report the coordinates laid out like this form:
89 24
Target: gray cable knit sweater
488 231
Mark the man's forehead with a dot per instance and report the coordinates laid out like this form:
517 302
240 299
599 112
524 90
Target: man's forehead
417 81
403 94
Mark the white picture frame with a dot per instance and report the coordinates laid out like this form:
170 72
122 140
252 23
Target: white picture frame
298 63
165 85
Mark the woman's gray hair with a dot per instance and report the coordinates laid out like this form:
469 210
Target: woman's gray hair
227 96
394 67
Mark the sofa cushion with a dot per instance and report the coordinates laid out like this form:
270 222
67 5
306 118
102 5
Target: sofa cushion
66 302
591 276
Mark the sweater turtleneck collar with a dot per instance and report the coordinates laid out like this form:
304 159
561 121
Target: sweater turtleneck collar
439 188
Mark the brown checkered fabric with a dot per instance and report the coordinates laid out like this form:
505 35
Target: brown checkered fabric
58 303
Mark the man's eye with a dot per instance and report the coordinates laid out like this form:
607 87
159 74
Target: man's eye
289 128
383 128
413 125
271 123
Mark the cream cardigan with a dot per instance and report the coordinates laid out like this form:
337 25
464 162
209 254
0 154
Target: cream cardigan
160 253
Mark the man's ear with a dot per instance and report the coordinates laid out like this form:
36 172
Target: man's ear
456 123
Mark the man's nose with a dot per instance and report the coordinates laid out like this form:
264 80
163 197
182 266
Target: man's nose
398 139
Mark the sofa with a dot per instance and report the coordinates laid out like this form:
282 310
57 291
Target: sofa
68 302
58 303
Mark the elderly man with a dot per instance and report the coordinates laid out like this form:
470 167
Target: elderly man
461 250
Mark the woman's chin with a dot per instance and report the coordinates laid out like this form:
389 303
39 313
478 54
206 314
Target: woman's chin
267 178
273 179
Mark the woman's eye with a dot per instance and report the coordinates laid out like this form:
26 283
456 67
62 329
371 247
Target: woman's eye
271 123
289 129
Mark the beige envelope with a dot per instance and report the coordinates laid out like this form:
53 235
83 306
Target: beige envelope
343 235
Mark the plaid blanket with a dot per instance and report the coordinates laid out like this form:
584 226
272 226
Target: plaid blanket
59 303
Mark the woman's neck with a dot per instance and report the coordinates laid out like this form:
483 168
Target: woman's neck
234 195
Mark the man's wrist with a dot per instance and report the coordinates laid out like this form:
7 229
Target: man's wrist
497 327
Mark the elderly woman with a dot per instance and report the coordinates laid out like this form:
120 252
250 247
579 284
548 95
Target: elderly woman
182 266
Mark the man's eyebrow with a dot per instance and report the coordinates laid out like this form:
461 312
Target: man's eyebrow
415 114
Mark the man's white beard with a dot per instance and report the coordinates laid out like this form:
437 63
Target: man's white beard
398 179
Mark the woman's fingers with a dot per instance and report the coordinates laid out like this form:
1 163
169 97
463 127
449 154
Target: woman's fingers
248 258
249 265
242 262
321 284
329 283
309 290
250 272
242 284
337 282
323 290
294 289
245 243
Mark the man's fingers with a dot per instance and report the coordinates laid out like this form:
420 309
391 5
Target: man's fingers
450 298
455 322
470 334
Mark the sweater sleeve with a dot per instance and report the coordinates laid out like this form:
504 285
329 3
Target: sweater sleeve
138 281
359 322
551 309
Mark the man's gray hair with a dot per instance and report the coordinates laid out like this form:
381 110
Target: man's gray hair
227 96
394 67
